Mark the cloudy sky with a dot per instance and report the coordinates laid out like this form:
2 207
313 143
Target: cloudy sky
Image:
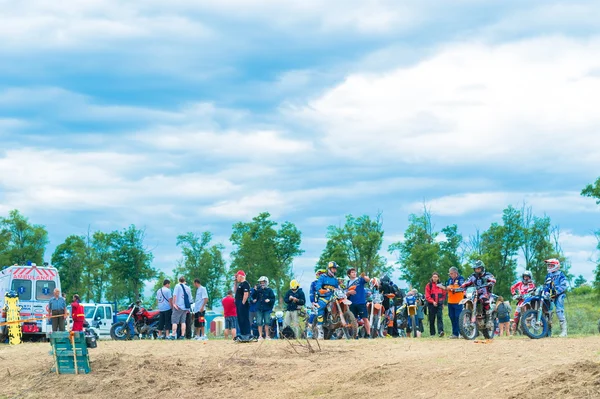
191 115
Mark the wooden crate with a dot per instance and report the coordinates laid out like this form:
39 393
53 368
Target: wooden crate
70 357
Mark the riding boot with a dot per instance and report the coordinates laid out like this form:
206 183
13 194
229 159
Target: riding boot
320 330
563 328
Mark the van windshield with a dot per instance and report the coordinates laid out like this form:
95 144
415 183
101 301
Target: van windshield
23 288
44 290
89 311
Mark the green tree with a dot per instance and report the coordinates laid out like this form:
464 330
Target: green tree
356 244
21 241
260 249
592 191
129 265
70 260
421 253
204 262
579 281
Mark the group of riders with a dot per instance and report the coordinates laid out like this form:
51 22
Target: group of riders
359 290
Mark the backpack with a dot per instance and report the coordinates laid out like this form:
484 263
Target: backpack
186 298
503 311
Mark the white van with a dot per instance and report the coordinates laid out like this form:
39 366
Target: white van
35 286
100 317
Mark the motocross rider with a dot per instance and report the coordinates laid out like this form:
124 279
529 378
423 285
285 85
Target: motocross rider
555 288
324 288
387 286
313 300
519 290
484 283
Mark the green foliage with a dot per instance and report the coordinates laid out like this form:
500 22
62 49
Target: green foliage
582 290
203 262
260 250
579 281
420 254
129 265
592 191
70 260
20 241
355 245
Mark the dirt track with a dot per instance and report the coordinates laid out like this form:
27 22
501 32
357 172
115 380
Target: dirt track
385 368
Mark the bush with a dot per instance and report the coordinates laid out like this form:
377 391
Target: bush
583 290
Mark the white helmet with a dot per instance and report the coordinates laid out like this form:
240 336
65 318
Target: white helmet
526 273
552 265
264 278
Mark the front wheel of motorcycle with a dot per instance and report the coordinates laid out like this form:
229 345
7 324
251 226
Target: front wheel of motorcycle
119 331
467 328
352 329
533 328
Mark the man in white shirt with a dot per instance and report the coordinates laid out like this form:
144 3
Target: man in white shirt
164 299
182 296
200 308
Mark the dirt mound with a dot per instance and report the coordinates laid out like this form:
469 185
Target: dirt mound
385 368
577 380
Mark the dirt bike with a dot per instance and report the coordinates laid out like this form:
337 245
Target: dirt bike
473 318
277 324
411 314
522 307
537 320
338 321
145 323
376 316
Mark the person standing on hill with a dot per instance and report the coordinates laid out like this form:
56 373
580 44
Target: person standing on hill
265 298
164 298
294 300
242 292
200 309
230 315
57 311
182 295
454 298
77 313
357 295
503 311
435 295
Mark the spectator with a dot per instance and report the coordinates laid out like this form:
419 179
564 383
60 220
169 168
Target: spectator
164 298
294 300
57 311
230 314
77 313
242 291
503 310
454 298
265 298
358 297
435 295
181 307
200 308
253 310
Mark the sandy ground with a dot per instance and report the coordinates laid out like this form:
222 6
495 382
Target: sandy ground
384 368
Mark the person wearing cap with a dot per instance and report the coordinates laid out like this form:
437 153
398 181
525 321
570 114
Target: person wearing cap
454 298
294 300
242 293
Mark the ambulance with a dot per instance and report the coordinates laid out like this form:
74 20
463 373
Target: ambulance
35 286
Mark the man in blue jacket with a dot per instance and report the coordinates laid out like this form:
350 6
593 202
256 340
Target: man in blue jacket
265 298
357 295
556 287
325 286
313 303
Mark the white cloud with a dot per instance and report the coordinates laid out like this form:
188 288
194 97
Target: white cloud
465 203
249 206
523 105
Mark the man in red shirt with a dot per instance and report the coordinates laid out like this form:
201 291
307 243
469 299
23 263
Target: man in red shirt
77 313
230 314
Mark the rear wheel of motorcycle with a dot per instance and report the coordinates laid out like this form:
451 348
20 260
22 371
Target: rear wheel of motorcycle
352 328
531 327
467 329
119 331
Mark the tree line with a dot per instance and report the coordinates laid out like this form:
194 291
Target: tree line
117 265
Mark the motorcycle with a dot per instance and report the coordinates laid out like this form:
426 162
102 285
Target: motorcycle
145 323
522 307
376 316
338 317
411 312
537 320
277 324
472 319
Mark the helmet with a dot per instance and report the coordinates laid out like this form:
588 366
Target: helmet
263 278
320 271
332 265
479 265
553 265
350 271
294 285
526 273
